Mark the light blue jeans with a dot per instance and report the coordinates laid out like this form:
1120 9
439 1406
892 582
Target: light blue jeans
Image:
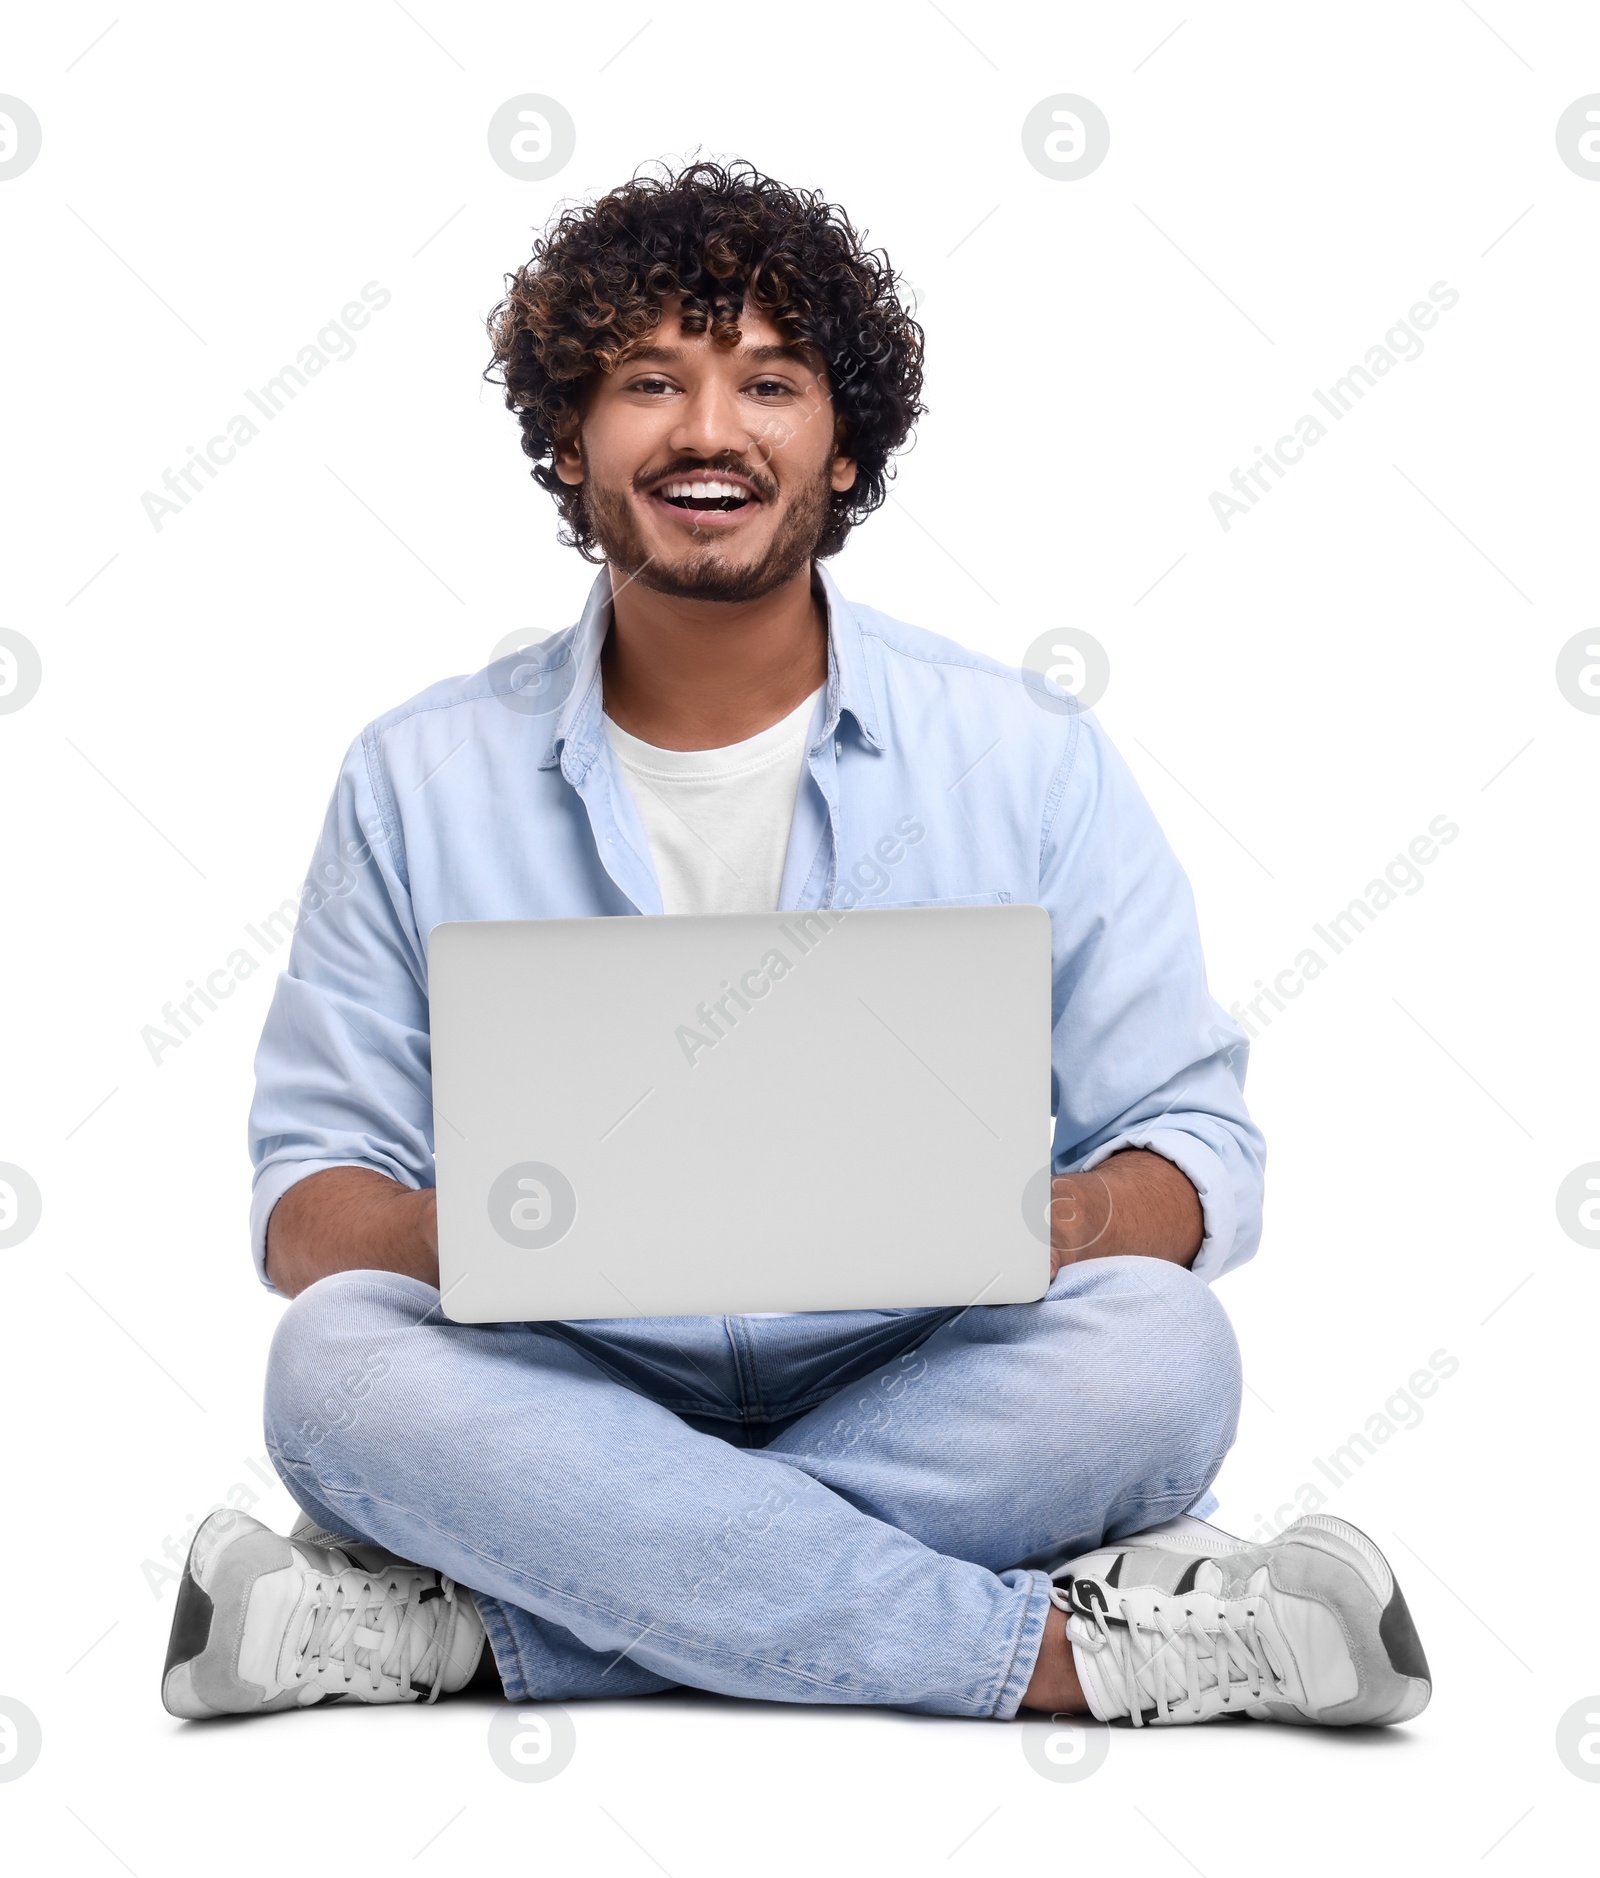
839 1507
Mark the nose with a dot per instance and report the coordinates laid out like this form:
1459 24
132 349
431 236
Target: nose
712 421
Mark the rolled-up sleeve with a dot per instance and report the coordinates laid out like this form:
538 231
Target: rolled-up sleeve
1142 1056
343 1070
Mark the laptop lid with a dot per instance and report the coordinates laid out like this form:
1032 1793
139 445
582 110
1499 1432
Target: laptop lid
678 1115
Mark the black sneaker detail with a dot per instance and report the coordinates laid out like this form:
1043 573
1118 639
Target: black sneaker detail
191 1626
1083 1594
1085 1597
1398 1634
1186 1582
433 1591
1114 1576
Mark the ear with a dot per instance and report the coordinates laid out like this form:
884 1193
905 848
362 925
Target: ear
569 452
843 475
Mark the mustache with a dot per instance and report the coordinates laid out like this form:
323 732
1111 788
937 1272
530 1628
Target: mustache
764 485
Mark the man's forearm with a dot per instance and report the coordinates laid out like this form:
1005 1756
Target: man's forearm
1135 1202
355 1219
351 1219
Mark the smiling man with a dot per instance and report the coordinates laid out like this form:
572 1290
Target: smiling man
962 1512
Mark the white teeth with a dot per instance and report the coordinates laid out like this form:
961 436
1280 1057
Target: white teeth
707 490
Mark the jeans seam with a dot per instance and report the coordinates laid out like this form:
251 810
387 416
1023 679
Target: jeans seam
1005 1705
744 1368
503 1646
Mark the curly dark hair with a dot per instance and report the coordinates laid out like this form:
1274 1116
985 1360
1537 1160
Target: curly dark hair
718 236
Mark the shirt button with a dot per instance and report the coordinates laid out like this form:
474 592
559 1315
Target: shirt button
838 749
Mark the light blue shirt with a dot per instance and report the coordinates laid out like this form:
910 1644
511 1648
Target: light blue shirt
932 774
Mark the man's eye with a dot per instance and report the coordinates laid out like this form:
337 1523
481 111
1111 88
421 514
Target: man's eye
651 384
770 387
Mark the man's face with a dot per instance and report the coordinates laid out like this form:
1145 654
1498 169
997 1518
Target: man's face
707 470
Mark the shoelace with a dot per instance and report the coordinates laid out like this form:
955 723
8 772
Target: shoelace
1161 1662
399 1620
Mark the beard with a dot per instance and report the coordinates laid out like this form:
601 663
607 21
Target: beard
705 570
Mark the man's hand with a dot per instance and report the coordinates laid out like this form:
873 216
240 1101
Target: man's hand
351 1219
1134 1202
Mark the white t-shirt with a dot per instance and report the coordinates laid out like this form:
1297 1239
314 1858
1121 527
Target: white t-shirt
718 820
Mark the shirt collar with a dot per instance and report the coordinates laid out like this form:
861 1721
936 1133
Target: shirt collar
575 740
578 731
850 686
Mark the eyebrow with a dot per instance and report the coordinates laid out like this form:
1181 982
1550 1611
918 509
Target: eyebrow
795 351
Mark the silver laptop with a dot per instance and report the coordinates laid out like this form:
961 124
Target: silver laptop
668 1116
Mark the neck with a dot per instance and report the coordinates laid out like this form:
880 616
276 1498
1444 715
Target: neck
700 674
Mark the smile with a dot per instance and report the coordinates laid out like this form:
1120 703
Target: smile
716 501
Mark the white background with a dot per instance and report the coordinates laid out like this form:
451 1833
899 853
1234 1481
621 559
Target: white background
1371 647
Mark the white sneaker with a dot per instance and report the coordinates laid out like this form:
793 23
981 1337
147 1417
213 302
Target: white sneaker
266 1623
1186 1623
